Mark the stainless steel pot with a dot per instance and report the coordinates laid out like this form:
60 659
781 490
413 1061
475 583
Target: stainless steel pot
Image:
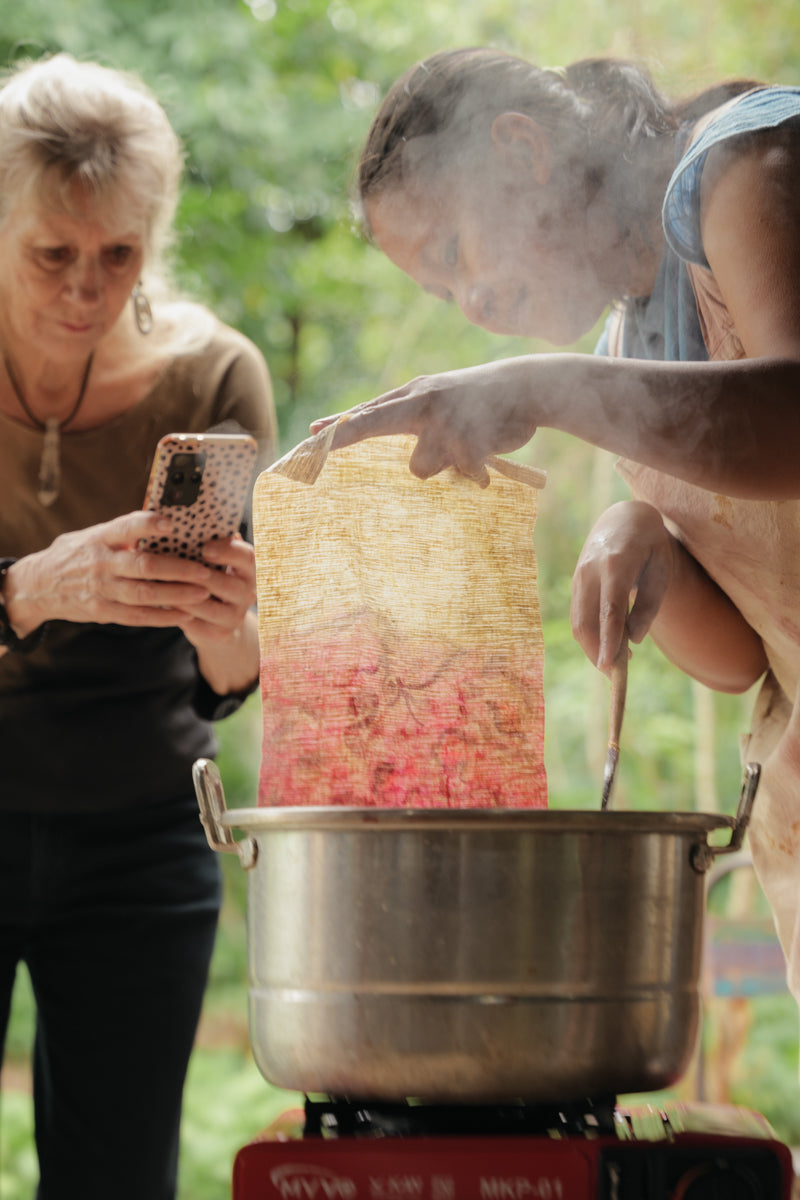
472 955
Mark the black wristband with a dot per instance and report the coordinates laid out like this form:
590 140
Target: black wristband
8 636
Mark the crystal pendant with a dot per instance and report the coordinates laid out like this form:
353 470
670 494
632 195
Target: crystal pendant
50 466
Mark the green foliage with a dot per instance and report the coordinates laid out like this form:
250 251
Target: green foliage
226 1104
19 1170
766 1074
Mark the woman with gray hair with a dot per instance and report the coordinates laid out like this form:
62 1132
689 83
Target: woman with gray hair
114 661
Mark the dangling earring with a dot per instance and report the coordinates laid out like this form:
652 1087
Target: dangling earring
142 312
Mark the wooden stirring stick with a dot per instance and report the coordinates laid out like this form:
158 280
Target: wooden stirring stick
619 687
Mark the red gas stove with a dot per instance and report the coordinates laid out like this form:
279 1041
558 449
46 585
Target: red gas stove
590 1150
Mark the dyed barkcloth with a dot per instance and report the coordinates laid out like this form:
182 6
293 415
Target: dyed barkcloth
401 641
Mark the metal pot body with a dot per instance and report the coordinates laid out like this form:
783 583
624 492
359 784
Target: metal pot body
474 956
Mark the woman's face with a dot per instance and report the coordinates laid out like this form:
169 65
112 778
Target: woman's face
502 244
65 279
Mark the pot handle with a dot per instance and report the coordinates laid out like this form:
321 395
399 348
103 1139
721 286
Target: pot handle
703 855
211 799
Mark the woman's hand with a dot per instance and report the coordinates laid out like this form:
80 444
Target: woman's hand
231 593
622 575
222 627
99 575
633 573
459 417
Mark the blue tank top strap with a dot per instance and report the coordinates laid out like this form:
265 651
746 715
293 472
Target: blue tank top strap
665 324
764 108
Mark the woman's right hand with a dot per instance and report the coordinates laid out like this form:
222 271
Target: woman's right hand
459 417
99 575
623 573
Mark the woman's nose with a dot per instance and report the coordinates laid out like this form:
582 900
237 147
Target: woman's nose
477 303
84 280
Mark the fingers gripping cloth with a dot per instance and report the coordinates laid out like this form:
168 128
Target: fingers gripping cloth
400 633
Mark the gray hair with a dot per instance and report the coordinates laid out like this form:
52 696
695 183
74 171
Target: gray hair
64 122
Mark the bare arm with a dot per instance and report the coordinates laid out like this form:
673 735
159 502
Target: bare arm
728 427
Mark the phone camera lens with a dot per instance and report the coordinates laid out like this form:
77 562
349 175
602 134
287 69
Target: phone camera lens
177 477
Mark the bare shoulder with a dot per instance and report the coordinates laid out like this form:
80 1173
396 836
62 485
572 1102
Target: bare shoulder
767 161
750 223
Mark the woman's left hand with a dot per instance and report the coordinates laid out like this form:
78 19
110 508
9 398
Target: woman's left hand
628 556
221 616
634 576
223 628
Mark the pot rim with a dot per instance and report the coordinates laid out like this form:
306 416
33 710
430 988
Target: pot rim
347 819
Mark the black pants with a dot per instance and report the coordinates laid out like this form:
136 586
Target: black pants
115 916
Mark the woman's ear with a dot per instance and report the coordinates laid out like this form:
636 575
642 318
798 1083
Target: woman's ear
522 142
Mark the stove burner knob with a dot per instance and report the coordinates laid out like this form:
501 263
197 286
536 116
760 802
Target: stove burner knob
718 1180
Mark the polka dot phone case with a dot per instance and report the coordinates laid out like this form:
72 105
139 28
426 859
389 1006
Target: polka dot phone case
202 481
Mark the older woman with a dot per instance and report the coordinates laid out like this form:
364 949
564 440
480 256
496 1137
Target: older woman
114 662
534 198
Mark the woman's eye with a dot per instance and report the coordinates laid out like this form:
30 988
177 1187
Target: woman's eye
53 256
119 256
451 253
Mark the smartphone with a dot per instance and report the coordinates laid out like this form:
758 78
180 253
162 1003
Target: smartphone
203 481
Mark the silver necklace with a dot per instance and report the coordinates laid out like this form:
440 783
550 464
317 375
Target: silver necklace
50 465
